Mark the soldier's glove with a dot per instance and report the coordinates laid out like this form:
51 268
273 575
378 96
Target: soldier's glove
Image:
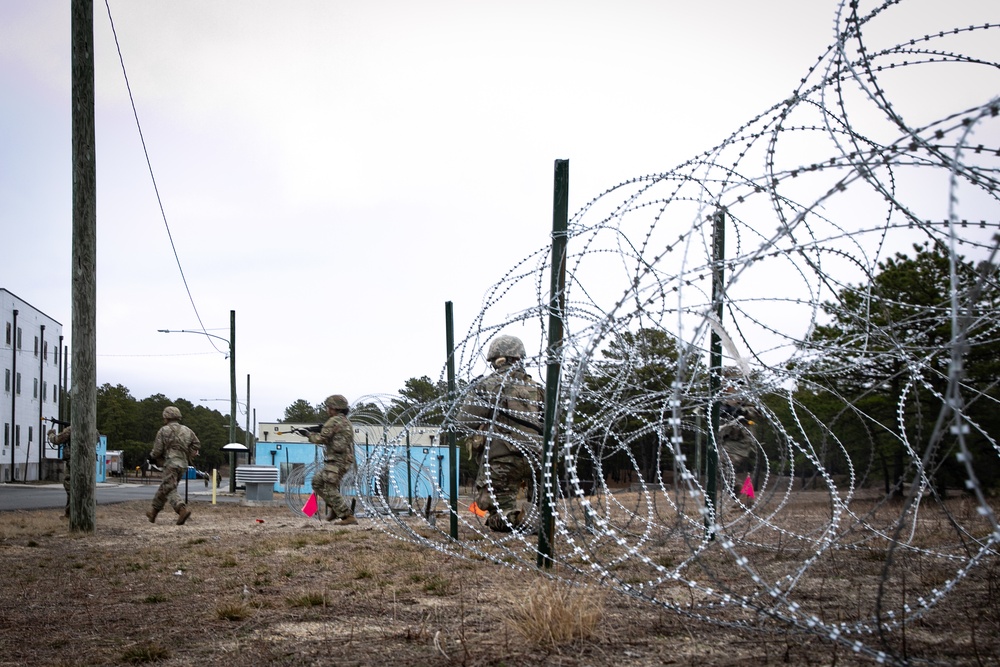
474 443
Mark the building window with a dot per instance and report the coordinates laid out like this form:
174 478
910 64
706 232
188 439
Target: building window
17 384
17 435
45 390
31 434
19 338
36 346
34 392
45 351
8 333
6 379
6 435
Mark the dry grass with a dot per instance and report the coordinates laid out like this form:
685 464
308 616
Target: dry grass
256 586
554 613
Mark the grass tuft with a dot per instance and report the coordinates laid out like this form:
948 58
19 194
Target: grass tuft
145 652
307 600
553 614
235 611
435 584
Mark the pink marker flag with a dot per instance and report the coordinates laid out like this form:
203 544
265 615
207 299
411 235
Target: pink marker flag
747 489
311 506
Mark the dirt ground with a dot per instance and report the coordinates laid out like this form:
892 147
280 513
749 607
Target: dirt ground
242 585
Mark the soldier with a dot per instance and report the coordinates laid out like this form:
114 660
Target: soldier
505 409
736 421
337 438
63 438
174 446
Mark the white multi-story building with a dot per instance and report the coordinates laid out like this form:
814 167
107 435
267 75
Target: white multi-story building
31 362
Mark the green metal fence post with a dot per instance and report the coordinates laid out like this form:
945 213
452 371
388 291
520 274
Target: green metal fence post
715 367
452 394
560 221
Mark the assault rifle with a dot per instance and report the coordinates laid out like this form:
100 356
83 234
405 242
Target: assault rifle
56 442
302 430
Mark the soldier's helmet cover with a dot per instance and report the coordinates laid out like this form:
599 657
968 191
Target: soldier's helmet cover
506 346
337 402
171 412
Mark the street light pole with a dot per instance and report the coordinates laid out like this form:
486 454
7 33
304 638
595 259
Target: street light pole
246 432
231 342
232 392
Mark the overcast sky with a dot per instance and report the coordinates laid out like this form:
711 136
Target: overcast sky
335 172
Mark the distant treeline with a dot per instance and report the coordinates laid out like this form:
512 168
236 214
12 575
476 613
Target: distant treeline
131 425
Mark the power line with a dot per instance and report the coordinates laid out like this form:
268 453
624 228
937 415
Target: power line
149 166
179 354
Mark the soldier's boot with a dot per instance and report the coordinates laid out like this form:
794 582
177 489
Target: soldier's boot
182 515
524 526
151 514
495 522
348 520
330 514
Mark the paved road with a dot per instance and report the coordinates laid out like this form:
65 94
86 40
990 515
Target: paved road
41 496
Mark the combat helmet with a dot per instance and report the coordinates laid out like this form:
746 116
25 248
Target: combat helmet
506 346
170 412
337 402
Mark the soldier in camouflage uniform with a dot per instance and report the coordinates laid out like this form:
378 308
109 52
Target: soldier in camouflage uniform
505 411
174 446
337 438
63 438
736 421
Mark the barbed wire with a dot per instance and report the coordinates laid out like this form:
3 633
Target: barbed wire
874 152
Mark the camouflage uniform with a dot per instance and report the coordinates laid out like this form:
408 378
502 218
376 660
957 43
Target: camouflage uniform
736 422
174 446
337 438
505 410
63 438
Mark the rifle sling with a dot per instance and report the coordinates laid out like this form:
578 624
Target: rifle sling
523 422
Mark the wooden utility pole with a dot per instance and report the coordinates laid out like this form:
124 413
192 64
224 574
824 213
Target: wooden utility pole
83 413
